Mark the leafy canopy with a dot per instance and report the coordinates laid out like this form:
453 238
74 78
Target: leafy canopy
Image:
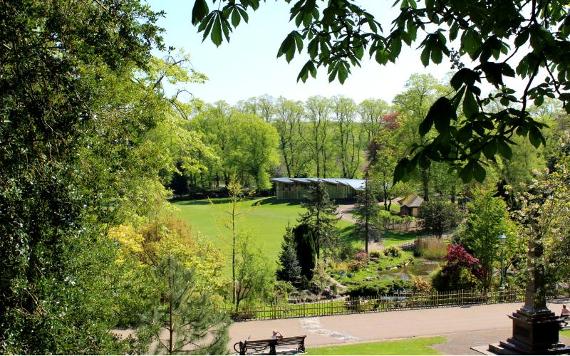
484 34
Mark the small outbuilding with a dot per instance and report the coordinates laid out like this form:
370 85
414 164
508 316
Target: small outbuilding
298 188
410 205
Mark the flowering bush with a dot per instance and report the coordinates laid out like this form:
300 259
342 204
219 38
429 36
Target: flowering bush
361 256
458 257
461 271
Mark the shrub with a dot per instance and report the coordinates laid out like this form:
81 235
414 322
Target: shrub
421 285
461 271
346 251
375 254
376 288
439 216
457 279
392 251
242 315
361 256
355 265
430 248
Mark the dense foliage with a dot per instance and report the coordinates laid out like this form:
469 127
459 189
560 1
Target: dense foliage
460 272
481 39
490 234
53 53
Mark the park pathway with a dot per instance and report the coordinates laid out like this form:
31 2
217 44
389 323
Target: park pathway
463 326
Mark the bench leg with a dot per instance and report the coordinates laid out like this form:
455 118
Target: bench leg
273 348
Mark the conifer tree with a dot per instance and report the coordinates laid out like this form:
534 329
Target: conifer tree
189 314
366 209
320 217
290 269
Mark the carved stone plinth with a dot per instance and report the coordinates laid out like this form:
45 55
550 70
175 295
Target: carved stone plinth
534 334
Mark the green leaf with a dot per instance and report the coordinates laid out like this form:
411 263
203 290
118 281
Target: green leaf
287 47
470 107
395 48
441 112
298 40
490 149
199 11
466 173
521 38
471 42
436 55
313 48
216 35
479 172
243 14
426 125
504 149
493 72
453 31
425 55
342 72
535 136
235 18
464 76
381 56
472 169
401 170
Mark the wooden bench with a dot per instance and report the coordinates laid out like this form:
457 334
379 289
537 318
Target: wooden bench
258 346
565 322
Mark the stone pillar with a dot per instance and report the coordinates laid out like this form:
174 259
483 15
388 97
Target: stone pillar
535 327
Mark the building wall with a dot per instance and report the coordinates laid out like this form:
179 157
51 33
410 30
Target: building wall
297 191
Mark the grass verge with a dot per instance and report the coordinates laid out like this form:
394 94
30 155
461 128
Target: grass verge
412 346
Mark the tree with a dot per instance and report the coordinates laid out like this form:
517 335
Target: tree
190 315
366 210
371 111
413 105
545 225
307 249
318 110
263 106
487 219
336 36
320 217
53 53
461 271
253 279
288 124
439 216
236 193
245 144
289 268
349 134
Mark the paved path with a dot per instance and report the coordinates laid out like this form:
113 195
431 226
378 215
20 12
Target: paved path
463 326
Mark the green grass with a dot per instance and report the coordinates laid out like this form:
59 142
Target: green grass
565 333
263 219
392 238
413 346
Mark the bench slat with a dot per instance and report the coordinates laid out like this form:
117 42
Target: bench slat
260 345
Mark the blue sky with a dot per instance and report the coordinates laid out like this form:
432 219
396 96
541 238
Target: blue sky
247 66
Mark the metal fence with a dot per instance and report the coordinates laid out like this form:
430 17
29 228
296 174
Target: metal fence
383 303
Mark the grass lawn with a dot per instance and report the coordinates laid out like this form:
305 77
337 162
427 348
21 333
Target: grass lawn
263 219
413 346
565 333
392 238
